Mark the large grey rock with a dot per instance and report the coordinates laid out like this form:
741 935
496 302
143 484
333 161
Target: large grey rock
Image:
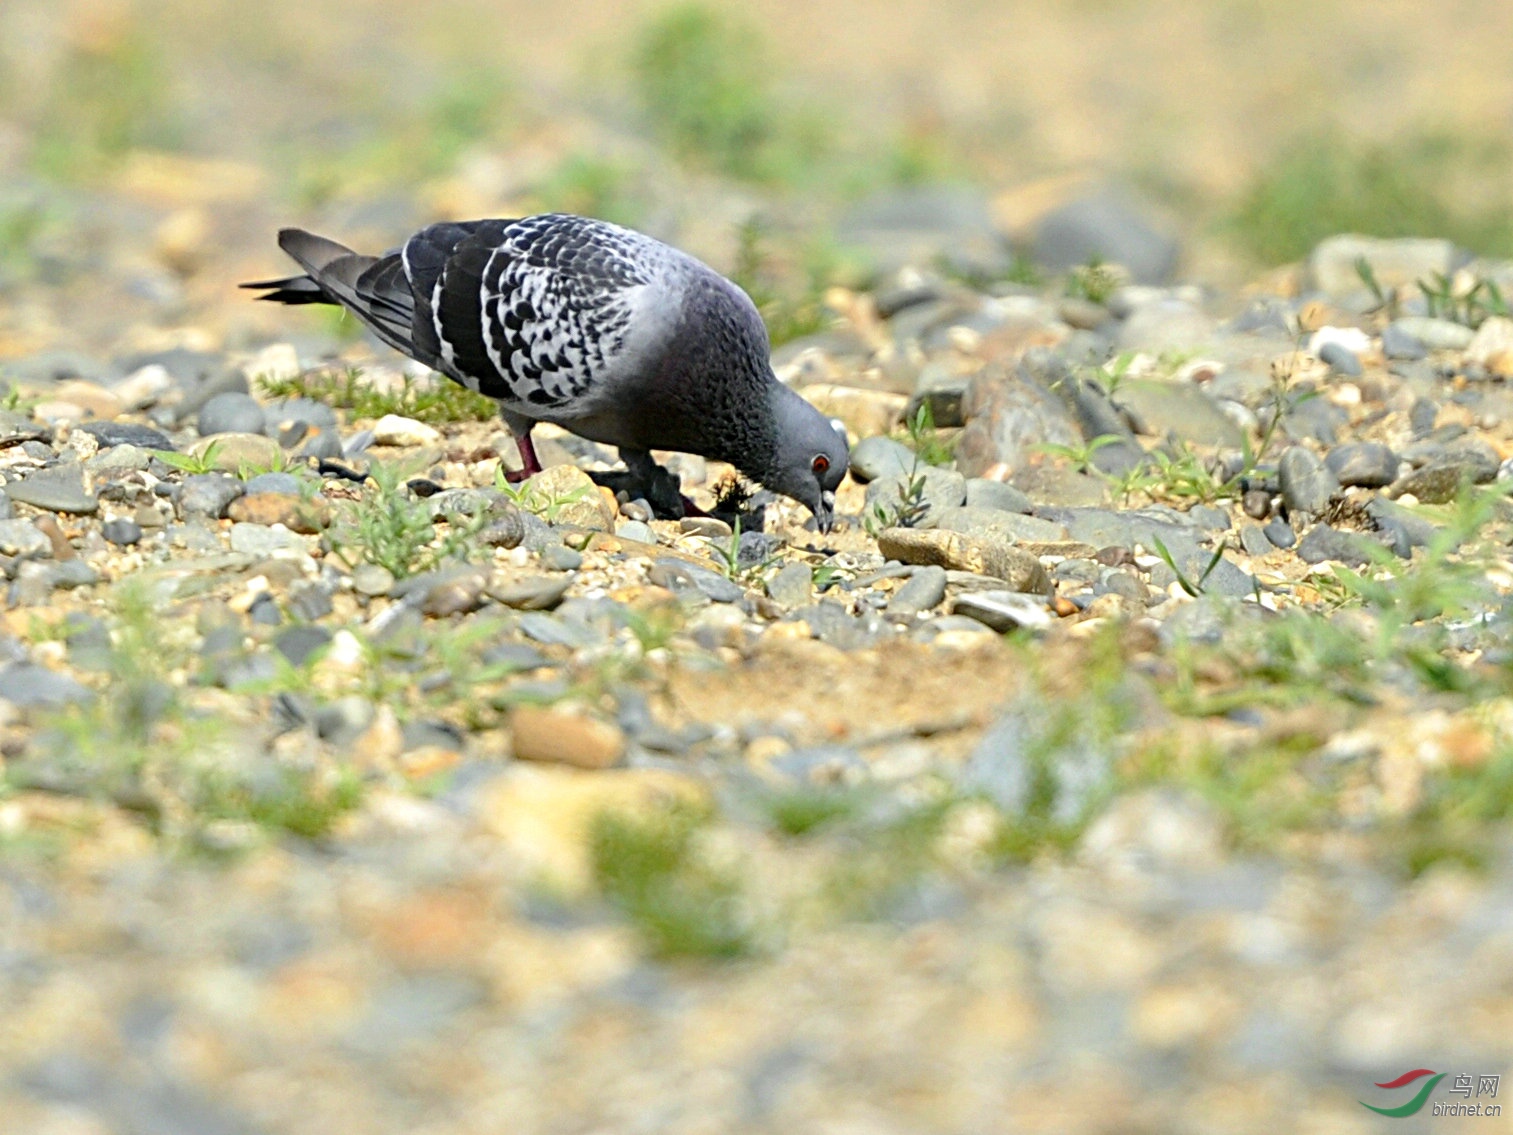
898 228
1394 262
23 538
231 412
58 488
924 590
1368 464
1178 409
208 495
26 685
1104 226
1307 484
940 489
875 457
1030 529
1011 416
1433 334
1167 325
997 494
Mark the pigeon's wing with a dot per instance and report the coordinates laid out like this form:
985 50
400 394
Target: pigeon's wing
533 312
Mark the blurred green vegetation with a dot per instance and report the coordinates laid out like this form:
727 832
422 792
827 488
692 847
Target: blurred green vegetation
1419 185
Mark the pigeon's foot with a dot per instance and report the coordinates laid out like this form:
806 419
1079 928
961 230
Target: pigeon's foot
691 509
515 476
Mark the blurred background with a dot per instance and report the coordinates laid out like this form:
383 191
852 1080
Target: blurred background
148 148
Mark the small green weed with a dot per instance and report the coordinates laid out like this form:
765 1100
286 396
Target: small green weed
1471 306
1094 281
392 529
905 512
437 400
189 462
929 445
655 871
533 498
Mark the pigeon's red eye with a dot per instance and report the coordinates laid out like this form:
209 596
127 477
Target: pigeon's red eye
821 463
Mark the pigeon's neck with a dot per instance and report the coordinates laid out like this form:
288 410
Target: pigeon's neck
766 460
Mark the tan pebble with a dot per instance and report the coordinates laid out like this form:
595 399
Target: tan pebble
789 631
231 451
48 526
95 400
428 761
559 737
296 513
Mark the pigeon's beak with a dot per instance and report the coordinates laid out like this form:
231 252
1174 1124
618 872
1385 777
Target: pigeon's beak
824 516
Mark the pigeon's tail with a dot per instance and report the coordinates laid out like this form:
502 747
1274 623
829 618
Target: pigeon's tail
373 288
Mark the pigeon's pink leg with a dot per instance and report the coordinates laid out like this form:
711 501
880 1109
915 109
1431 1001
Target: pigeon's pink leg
691 509
528 458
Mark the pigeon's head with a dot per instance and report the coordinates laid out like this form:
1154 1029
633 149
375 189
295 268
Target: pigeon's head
810 457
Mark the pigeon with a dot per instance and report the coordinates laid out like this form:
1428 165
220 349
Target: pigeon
599 329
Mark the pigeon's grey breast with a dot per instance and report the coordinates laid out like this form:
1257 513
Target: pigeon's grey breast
546 314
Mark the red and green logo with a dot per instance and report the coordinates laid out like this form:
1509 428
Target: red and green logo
1413 1106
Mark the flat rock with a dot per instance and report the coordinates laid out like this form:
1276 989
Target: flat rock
263 540
1011 418
876 457
392 429
306 515
939 490
1367 464
1395 262
230 412
233 452
23 538
1432 334
1179 409
1492 347
565 494
1022 528
1004 610
530 593
110 434
556 736
26 685
983 553
1307 485
58 488
997 495
792 585
923 590
1325 543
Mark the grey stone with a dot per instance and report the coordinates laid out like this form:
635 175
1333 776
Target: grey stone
264 611
1178 409
1280 533
265 540
1254 540
1325 543
370 579
924 590
1307 485
26 686
678 575
1417 530
1119 581
792 585
1368 464
1312 418
118 458
122 531
208 495
1011 416
940 390
7 510
997 495
1020 527
559 557
299 643
1340 359
23 538
312 600
1167 325
343 721
58 488
532 593
941 489
549 630
230 412
1104 226
636 530
1400 344
899 228
876 457
1433 334
279 416
1004 610
276 483
1394 262
1098 417
110 434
